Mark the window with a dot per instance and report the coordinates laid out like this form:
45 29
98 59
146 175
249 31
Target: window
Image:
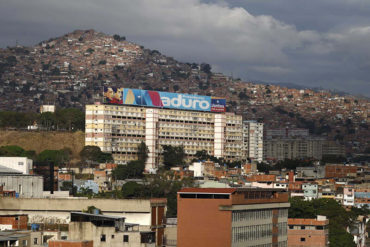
20 163
112 236
303 239
35 241
24 242
291 227
125 238
102 238
303 227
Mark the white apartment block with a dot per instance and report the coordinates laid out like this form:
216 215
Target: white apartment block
253 140
119 129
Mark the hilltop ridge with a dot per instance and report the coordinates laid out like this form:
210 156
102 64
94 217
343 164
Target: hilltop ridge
71 70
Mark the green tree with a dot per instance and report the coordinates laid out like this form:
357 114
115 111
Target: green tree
47 120
292 164
142 152
92 210
202 155
167 185
57 157
263 167
93 154
132 190
71 119
173 156
16 151
206 68
134 169
162 185
119 38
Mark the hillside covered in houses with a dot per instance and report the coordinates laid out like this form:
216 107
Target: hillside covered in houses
71 70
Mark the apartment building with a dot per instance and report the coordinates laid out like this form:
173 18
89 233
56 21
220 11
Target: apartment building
286 132
308 232
348 196
165 120
293 148
310 191
232 217
253 140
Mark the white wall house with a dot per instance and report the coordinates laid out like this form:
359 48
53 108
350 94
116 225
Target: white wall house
22 164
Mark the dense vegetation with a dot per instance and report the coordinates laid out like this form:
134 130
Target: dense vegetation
165 184
289 164
70 119
89 155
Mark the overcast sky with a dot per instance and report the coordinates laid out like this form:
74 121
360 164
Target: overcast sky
316 43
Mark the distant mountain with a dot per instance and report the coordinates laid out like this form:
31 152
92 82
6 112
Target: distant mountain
71 70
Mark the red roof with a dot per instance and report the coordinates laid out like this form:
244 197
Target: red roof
208 190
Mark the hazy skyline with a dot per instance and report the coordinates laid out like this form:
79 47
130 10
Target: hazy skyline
320 43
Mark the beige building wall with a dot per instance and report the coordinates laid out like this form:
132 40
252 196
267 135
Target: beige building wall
280 149
105 236
253 140
58 210
120 129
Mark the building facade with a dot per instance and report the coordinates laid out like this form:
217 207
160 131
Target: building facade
25 186
22 164
119 129
148 213
293 148
105 230
253 140
308 232
310 191
340 171
232 217
13 222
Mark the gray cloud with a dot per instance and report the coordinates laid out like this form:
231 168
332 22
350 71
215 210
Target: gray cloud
249 44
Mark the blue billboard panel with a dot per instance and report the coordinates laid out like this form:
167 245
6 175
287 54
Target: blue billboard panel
167 100
186 101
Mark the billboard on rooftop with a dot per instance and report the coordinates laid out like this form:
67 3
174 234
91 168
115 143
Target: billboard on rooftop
127 96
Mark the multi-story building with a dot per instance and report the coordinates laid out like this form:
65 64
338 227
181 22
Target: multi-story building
253 140
232 217
119 129
332 148
308 232
362 197
293 148
310 191
286 133
348 196
340 171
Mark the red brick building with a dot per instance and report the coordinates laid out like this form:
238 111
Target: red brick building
261 178
340 171
17 221
66 243
220 217
308 232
